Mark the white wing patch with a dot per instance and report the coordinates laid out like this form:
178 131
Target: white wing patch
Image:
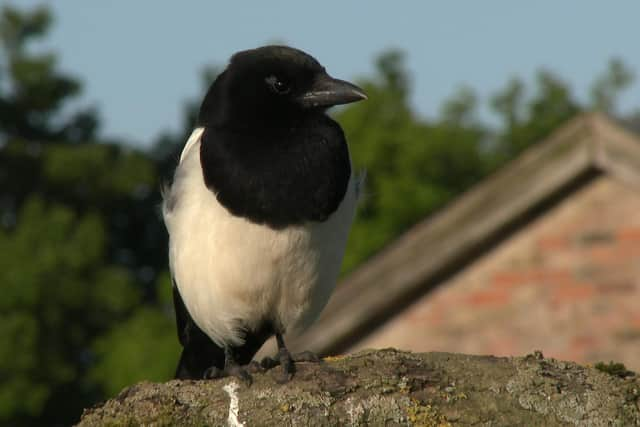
195 137
169 196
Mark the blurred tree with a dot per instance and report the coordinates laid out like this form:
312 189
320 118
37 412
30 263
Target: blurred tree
610 85
525 122
58 293
33 90
81 243
413 166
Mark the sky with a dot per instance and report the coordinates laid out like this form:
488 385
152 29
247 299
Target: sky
141 60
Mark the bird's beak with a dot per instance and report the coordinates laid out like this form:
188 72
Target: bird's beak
327 91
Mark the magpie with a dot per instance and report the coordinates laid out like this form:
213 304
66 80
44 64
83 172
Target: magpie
259 211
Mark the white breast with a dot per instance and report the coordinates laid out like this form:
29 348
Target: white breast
232 273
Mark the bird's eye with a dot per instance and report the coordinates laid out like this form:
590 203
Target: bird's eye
278 85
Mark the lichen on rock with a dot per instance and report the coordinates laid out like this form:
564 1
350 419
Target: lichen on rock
390 387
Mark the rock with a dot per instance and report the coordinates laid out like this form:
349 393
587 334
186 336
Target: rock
389 387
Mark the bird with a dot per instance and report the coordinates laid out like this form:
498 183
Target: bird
258 212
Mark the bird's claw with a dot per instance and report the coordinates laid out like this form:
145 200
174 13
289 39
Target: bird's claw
288 361
240 372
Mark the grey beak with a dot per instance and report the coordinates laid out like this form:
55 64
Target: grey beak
327 91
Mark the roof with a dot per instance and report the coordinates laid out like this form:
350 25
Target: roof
589 145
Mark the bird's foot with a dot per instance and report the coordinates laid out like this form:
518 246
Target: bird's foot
243 373
288 361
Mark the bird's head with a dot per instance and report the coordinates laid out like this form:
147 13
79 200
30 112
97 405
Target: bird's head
271 86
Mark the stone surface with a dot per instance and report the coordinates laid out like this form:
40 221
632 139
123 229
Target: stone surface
389 387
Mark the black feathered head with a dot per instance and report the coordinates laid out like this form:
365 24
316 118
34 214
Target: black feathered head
271 86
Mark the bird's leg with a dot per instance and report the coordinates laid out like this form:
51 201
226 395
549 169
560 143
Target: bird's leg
286 360
231 368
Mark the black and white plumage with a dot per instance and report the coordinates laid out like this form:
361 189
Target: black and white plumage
259 209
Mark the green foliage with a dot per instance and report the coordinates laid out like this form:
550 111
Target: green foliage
526 122
86 303
610 85
30 108
143 346
81 244
148 341
54 280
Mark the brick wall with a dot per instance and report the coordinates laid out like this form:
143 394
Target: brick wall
567 284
